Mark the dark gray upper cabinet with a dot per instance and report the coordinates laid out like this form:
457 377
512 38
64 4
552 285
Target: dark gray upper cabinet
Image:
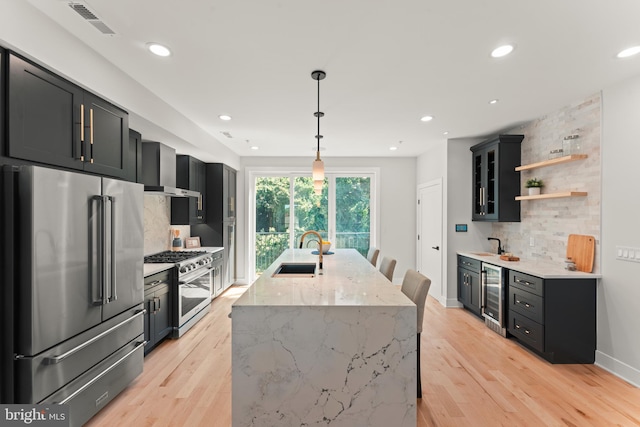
134 157
495 181
2 103
53 121
190 174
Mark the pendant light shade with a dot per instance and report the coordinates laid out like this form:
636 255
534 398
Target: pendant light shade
317 186
317 169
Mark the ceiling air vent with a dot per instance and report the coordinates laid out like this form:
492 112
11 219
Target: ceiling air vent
82 10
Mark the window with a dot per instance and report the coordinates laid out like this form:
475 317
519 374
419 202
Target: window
284 206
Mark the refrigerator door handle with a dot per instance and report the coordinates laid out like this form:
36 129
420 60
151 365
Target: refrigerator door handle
112 259
102 297
57 359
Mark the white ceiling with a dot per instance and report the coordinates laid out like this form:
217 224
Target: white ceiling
388 63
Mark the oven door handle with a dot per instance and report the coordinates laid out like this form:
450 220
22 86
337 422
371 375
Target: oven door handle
195 275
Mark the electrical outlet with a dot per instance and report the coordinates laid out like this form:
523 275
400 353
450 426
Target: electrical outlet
531 241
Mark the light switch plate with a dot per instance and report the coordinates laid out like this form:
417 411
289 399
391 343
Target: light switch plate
627 253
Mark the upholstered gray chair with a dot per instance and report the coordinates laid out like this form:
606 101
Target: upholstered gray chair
372 256
387 265
416 286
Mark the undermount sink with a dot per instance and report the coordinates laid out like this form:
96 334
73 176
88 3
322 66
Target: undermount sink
295 270
482 253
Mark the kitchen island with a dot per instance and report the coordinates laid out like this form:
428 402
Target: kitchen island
338 348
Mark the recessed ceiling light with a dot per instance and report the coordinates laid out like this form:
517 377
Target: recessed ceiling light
629 52
501 51
224 117
446 132
254 147
493 101
393 148
426 118
158 49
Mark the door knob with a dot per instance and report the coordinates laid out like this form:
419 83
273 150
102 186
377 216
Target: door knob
437 248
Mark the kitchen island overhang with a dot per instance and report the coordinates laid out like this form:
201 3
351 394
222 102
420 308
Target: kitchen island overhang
339 347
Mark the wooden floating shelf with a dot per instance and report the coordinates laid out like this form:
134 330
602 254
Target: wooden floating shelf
553 195
556 161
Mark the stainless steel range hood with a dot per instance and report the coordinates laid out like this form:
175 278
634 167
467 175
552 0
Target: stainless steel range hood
159 171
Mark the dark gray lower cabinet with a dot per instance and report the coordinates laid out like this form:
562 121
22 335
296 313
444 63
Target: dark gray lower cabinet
556 318
469 284
157 297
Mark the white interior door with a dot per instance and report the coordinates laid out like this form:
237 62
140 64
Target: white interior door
429 227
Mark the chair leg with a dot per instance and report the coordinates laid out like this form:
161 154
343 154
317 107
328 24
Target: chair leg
419 381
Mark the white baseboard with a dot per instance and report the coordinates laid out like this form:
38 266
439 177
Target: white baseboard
453 303
618 368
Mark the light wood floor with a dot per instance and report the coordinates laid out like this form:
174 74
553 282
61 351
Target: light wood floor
470 377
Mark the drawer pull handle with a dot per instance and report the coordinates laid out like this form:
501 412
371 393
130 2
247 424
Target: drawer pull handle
526 331
524 282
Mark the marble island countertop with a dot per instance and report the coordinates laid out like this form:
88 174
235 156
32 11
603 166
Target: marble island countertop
345 281
542 269
339 348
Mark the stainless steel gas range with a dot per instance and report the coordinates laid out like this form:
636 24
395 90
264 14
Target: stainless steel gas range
196 275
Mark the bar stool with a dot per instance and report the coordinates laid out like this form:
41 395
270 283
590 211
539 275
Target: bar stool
416 286
387 265
372 256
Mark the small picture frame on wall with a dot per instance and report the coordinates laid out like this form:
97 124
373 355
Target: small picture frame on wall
192 242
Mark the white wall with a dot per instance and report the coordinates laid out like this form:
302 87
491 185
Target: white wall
619 289
397 203
451 161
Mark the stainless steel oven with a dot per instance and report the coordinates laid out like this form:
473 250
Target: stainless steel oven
194 297
493 280
195 275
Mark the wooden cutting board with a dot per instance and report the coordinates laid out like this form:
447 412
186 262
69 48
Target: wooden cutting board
581 249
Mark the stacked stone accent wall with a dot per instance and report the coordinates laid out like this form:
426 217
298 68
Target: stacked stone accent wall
550 221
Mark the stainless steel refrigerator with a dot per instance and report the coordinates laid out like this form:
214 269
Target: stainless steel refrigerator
72 288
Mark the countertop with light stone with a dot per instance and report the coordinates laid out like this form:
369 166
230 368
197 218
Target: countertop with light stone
339 348
542 269
347 279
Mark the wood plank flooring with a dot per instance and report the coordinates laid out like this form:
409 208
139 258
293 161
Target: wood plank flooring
471 376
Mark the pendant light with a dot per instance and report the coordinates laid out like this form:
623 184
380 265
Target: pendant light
318 164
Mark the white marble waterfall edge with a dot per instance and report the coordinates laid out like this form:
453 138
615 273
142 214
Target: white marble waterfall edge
350 366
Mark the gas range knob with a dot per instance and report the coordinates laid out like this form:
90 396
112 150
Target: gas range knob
183 269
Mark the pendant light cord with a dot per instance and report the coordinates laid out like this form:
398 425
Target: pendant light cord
318 114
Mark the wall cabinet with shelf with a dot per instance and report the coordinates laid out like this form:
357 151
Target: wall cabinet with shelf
552 162
53 121
496 183
190 174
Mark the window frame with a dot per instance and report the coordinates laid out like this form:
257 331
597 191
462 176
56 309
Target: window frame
331 174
